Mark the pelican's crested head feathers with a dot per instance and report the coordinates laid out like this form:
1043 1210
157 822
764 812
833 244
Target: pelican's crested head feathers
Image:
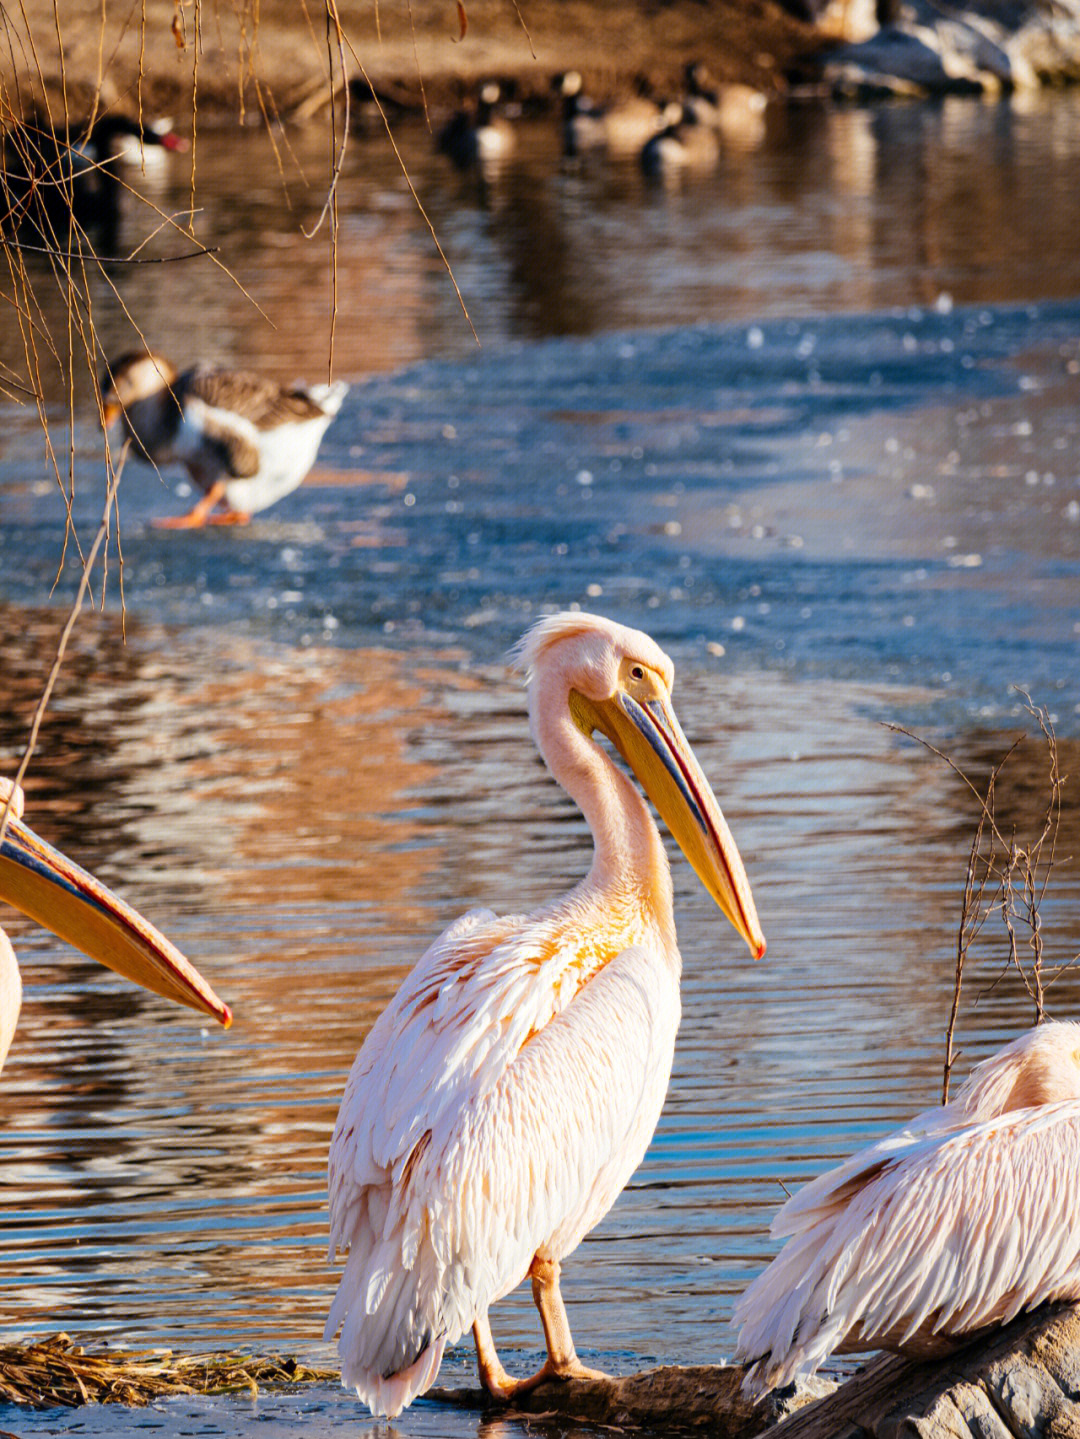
599 645
618 680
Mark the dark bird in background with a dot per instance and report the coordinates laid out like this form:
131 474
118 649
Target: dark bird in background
54 178
684 144
621 128
478 134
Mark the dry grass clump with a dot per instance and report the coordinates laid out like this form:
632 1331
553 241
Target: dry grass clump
57 1372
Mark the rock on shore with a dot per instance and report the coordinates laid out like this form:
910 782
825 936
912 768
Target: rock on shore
986 47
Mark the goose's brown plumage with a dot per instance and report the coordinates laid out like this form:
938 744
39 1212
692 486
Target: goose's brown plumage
245 440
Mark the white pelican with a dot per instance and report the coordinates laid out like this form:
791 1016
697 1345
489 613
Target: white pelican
509 1090
49 888
246 441
959 1221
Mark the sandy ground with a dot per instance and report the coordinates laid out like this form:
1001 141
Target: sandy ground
240 56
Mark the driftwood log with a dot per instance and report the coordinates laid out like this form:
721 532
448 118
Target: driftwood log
1022 1382
704 1398
1019 1383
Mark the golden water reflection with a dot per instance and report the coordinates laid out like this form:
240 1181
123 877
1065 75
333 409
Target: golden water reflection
839 210
302 822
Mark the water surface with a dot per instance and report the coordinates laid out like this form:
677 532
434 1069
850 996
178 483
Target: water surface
811 422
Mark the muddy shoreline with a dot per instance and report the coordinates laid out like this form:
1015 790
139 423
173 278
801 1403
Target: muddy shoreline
240 69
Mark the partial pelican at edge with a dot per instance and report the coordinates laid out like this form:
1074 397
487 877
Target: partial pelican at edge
957 1222
509 1090
48 887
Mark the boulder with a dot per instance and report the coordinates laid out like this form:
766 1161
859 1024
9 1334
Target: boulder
985 47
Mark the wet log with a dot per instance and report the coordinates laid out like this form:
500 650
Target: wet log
703 1398
1020 1382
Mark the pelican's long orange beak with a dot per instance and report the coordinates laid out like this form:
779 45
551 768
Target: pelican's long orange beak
56 893
645 731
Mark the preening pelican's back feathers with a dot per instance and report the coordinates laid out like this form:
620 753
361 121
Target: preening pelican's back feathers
960 1232
443 1173
960 1220
1033 1069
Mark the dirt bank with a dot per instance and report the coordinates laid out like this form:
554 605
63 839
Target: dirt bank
242 56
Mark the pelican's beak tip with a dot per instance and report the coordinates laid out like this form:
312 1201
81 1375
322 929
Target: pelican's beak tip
757 949
226 1017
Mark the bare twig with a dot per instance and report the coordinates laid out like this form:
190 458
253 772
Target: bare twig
65 635
1007 878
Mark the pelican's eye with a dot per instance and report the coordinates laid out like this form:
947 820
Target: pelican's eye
637 672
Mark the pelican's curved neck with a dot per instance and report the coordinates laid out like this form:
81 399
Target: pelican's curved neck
628 850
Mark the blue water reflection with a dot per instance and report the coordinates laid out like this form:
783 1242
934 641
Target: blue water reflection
308 756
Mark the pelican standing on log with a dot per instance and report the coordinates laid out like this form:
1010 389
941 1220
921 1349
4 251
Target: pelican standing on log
509 1090
958 1222
48 887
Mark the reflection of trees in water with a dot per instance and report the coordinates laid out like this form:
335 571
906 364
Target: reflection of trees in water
260 807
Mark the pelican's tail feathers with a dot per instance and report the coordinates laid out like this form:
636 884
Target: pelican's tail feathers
391 1314
386 1395
790 1318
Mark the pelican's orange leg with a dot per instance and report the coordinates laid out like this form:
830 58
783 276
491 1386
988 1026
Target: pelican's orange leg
562 1361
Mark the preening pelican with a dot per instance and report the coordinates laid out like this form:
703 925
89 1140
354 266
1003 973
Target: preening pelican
959 1221
49 888
509 1090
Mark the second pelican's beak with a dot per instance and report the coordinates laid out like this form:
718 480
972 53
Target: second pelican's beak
110 412
648 736
56 893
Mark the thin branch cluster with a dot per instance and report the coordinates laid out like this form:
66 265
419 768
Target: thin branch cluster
1006 879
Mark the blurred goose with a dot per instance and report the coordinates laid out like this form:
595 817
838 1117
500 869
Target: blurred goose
735 112
145 146
584 122
683 144
478 135
44 884
702 100
51 175
246 440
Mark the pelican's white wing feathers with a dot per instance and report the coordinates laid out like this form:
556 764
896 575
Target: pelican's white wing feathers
942 1234
990 1090
829 1192
497 1108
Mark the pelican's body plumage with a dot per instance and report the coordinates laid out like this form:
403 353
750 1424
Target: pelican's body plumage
509 1090
48 887
959 1221
246 441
